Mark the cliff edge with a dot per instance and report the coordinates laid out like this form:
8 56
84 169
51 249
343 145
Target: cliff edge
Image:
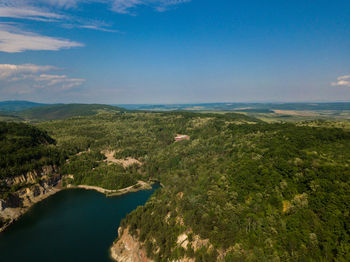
30 188
128 249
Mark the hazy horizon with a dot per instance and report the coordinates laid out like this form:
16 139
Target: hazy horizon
192 103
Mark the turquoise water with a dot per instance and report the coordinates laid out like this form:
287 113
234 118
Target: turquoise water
72 225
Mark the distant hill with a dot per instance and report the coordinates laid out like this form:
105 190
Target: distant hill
63 111
18 105
242 107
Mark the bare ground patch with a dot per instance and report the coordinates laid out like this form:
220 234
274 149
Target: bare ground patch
124 162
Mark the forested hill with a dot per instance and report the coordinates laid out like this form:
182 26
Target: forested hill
237 190
63 111
24 148
261 192
17 105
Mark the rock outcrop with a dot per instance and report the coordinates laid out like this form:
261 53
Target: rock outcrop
32 187
128 249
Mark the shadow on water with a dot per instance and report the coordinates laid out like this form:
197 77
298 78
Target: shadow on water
72 225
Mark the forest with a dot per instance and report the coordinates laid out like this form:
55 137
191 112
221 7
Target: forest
24 148
251 191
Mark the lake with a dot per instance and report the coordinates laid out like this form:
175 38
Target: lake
72 225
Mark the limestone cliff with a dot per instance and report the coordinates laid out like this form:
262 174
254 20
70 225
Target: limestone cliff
30 188
128 249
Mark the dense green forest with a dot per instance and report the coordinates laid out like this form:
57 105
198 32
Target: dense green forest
252 191
24 148
256 191
63 111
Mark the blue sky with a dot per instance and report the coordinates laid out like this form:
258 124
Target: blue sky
174 51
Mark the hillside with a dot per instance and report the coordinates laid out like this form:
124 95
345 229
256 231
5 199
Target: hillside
63 111
24 148
29 169
238 190
248 193
17 105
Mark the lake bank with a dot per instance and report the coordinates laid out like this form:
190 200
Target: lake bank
13 214
78 222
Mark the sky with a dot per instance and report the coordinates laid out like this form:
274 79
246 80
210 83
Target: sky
174 51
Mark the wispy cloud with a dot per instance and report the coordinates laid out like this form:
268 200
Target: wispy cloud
12 8
125 6
31 10
29 13
165 5
7 70
91 25
36 76
13 40
342 81
63 80
98 28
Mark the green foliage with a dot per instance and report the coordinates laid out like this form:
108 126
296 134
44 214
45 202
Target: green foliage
63 111
88 169
278 191
257 191
24 148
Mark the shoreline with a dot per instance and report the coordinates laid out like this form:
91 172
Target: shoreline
140 185
20 211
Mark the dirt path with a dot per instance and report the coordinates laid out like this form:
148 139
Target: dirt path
141 185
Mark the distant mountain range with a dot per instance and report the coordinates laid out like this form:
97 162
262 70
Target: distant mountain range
26 110
17 105
35 111
243 107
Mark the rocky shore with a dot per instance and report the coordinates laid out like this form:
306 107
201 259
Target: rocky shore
33 187
40 184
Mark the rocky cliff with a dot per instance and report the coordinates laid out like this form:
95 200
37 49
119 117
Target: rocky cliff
26 190
128 249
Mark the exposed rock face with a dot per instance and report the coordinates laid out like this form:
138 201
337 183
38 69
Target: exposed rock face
33 187
128 248
2 205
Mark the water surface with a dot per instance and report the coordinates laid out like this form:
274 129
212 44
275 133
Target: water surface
72 225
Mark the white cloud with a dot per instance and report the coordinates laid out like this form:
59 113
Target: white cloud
30 13
14 41
124 6
98 28
63 80
35 76
342 81
8 70
344 77
118 6
17 9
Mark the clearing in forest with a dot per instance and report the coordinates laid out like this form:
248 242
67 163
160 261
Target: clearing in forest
124 162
